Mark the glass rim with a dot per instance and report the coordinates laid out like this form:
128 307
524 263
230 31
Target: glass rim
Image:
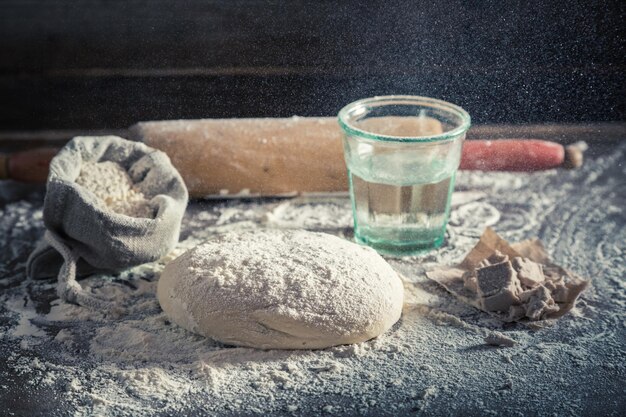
408 100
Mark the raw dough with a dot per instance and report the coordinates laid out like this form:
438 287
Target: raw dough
285 289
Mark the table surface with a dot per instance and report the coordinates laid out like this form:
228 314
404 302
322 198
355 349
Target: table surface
575 367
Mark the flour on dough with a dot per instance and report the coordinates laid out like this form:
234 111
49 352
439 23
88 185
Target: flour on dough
281 289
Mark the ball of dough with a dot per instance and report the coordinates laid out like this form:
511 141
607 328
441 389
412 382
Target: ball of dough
281 289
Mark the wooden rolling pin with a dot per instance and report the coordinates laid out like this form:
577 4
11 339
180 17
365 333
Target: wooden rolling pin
281 156
259 156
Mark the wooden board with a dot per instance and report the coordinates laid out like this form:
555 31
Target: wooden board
93 65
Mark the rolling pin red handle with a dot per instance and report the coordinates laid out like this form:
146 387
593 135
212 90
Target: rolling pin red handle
29 166
519 155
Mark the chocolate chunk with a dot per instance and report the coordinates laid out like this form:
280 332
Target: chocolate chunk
495 278
517 312
538 302
558 289
529 273
500 301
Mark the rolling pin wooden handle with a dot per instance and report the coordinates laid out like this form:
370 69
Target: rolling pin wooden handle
29 166
4 166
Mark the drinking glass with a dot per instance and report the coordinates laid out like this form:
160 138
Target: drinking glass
402 154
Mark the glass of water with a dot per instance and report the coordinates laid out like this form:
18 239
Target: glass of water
402 154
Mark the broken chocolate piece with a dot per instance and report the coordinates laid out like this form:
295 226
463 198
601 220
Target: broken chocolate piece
558 289
516 312
543 299
529 273
498 286
538 302
500 301
495 278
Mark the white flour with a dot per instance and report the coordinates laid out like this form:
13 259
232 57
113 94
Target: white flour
110 182
311 213
433 362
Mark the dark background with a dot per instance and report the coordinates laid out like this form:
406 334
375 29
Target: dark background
88 64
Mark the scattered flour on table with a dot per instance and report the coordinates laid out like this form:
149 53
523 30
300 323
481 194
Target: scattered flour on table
311 213
110 182
435 361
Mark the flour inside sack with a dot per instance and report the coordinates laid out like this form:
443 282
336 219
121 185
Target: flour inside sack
115 189
285 289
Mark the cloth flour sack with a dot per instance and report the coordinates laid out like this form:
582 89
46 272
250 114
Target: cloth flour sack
84 236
